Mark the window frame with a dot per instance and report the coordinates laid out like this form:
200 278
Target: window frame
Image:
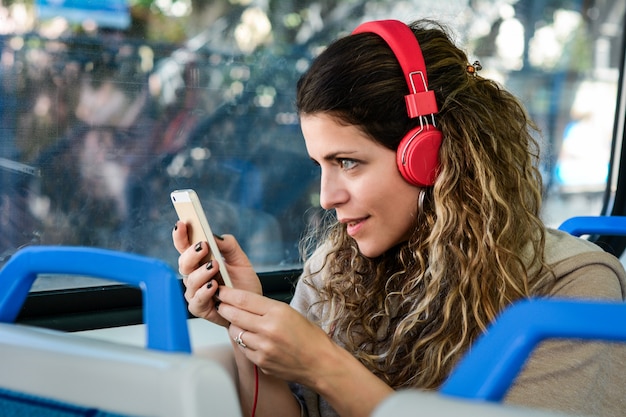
104 306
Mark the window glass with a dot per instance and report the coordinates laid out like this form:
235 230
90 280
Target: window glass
106 107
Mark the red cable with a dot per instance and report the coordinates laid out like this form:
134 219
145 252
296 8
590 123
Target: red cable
256 390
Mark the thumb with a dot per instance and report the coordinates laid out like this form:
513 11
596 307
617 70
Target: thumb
231 251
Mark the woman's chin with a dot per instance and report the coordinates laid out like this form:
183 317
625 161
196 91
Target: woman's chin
370 250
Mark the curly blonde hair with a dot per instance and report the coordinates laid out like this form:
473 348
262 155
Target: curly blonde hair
478 241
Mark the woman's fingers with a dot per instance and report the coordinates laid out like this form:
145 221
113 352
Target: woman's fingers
243 338
179 237
271 334
200 277
201 286
240 318
255 313
232 252
246 301
201 300
193 258
202 303
198 274
191 253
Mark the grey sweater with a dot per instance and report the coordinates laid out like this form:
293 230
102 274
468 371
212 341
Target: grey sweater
571 376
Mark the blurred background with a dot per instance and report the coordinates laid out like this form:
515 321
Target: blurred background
108 106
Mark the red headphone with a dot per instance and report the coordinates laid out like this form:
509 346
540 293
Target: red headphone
418 153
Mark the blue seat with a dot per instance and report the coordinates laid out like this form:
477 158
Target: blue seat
51 373
490 367
595 225
164 311
480 381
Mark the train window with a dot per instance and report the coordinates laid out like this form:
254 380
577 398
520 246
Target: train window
106 107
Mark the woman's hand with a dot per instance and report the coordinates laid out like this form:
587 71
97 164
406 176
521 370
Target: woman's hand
200 279
284 344
277 338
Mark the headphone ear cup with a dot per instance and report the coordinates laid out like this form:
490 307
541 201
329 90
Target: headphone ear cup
418 155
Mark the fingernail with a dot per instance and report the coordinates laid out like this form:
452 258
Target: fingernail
198 247
176 226
218 236
209 285
209 265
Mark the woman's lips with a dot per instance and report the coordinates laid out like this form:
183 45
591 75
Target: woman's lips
353 226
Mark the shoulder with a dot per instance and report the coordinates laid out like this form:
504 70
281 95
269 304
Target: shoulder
307 289
561 245
583 269
316 263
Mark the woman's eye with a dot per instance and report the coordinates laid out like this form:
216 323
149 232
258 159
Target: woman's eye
347 163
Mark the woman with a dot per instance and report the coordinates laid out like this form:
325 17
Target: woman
437 230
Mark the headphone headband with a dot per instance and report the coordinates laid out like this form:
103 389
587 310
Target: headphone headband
420 101
417 155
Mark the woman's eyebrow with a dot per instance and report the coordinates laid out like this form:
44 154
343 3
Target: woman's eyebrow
332 156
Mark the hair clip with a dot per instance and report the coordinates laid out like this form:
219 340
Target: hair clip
474 68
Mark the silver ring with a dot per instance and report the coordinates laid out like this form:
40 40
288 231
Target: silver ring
239 341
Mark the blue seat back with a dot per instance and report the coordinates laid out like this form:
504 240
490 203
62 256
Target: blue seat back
164 310
595 225
23 405
55 374
490 367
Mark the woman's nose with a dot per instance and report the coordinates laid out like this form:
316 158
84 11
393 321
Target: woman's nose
333 193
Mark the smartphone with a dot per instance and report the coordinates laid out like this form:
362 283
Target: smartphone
189 210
